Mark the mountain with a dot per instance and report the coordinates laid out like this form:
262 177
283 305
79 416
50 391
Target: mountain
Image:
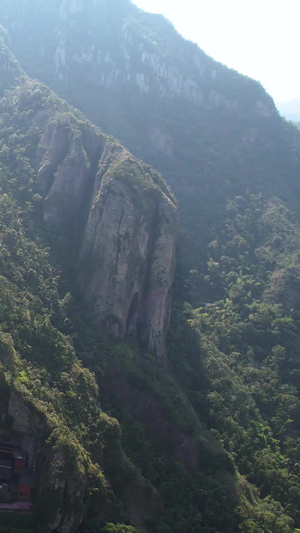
123 209
76 208
210 131
49 157
131 422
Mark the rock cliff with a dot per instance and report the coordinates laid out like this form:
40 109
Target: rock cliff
126 261
121 211
127 253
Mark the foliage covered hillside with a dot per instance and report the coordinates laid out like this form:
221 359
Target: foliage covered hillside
47 348
211 441
74 439
81 466
247 348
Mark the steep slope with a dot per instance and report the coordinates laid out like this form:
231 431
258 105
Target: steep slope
48 400
52 193
122 211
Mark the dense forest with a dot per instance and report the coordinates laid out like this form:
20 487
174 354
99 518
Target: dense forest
122 437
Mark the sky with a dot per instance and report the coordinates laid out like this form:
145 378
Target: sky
259 38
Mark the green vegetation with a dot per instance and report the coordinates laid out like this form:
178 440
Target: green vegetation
210 443
44 337
17 523
39 363
247 349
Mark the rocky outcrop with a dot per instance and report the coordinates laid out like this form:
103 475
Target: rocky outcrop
127 222
121 211
126 263
65 169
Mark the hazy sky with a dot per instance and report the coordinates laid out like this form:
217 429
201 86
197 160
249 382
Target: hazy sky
260 38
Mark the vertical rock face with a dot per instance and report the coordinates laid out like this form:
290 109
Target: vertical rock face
65 166
128 221
126 264
121 211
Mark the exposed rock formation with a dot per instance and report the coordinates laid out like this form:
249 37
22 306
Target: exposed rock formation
126 262
65 159
120 209
127 255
